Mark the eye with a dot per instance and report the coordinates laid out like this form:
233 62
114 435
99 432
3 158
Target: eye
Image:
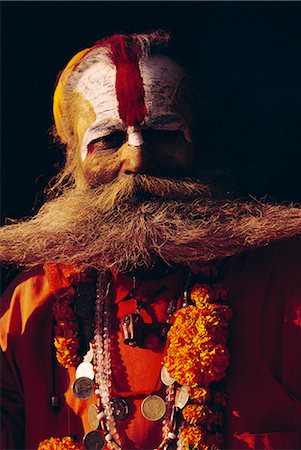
162 136
110 142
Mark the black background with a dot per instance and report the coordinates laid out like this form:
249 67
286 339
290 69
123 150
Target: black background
247 57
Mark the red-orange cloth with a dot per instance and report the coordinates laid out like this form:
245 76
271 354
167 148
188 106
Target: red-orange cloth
264 377
263 382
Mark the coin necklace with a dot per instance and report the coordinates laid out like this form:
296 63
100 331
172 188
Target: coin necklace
105 413
205 308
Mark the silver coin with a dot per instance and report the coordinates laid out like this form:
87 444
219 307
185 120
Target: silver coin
182 396
85 369
165 377
83 388
94 440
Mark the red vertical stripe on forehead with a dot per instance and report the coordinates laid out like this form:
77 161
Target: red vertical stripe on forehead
124 53
130 94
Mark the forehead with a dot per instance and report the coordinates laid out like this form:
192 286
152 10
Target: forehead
97 85
151 85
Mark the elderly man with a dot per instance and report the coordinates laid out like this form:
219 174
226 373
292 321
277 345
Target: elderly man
117 334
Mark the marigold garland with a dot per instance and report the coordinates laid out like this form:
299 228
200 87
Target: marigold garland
65 443
66 341
197 356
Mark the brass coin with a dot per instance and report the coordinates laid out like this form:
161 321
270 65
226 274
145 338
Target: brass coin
83 388
120 408
182 396
92 416
165 377
153 408
94 440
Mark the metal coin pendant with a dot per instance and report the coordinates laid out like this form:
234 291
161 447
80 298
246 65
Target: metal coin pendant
153 408
92 416
94 440
85 369
182 396
165 377
120 408
83 388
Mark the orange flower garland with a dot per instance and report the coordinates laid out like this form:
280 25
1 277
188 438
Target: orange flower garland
197 356
66 341
66 443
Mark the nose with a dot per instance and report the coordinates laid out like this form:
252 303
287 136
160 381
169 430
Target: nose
134 161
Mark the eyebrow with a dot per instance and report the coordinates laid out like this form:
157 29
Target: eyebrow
107 130
155 122
165 120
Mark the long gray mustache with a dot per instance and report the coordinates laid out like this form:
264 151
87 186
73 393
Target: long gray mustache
133 222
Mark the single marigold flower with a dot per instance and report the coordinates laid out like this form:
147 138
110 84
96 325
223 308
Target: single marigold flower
200 394
192 436
201 293
67 351
195 414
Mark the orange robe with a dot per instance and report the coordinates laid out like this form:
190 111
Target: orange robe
263 380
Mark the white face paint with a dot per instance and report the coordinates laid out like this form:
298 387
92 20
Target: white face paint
134 136
97 85
161 78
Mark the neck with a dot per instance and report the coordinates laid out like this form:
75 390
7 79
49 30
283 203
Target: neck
159 270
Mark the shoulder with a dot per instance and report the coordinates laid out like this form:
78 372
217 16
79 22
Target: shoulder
32 282
266 276
282 257
264 287
28 295
287 250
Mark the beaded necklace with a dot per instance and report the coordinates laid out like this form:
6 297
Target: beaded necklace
194 366
102 357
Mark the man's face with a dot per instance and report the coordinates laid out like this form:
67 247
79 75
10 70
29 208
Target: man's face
163 153
160 145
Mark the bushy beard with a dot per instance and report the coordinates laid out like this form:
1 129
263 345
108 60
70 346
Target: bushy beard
137 220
